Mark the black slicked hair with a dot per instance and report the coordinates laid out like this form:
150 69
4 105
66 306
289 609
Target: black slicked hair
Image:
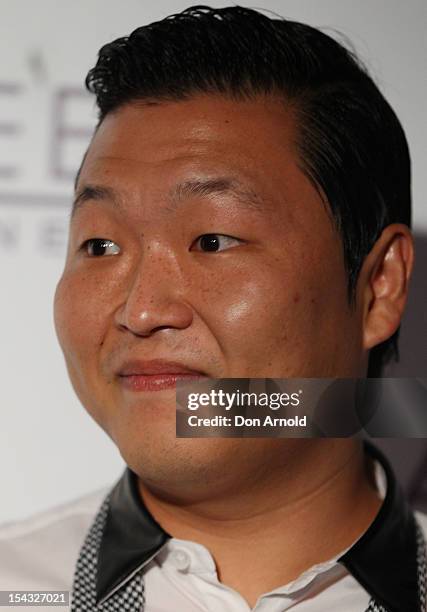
350 142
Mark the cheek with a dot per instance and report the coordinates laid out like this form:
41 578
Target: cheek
80 327
282 314
79 317
252 313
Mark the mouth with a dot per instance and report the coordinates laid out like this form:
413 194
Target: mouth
155 375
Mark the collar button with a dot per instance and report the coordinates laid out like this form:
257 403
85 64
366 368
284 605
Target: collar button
180 559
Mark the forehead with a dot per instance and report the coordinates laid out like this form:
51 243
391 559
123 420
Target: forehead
145 152
253 136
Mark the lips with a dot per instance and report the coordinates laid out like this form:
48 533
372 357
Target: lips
155 374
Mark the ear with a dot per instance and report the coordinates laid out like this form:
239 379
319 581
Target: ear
383 283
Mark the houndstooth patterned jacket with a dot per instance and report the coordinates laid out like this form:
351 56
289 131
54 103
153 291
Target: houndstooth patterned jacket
127 594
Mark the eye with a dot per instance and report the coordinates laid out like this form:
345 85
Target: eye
216 242
97 247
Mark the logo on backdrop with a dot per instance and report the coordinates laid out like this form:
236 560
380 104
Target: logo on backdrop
44 131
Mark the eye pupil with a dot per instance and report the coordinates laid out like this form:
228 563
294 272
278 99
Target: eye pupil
209 242
99 246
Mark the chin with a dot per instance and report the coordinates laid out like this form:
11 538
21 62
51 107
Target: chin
179 464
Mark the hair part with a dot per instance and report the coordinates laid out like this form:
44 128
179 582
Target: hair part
350 141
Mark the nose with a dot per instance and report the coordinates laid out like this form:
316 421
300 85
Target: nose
154 297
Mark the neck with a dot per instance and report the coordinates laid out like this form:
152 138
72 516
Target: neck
306 511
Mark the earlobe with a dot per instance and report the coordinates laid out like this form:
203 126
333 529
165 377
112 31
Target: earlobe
385 278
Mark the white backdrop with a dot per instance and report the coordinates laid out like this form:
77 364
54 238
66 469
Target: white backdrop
50 450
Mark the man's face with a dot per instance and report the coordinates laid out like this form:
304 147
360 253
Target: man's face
269 299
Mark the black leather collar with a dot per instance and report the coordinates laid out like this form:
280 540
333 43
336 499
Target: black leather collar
383 560
130 539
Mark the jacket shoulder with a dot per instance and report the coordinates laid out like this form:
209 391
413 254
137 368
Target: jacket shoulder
39 552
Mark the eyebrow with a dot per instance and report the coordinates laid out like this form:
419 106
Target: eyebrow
245 197
92 193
